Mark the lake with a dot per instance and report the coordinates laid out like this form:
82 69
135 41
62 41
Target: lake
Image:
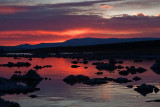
56 93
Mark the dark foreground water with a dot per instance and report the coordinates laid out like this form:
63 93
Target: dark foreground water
56 93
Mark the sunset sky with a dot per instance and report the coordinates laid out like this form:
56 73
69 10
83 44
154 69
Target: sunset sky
49 21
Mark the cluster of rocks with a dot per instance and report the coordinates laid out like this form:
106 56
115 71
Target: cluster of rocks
8 86
40 67
95 81
132 70
30 75
105 66
18 64
110 66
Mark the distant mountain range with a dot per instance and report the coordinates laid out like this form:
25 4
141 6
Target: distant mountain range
77 42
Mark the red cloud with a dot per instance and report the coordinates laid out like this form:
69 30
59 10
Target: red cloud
11 10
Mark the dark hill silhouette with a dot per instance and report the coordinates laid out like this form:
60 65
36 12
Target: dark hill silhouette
76 42
140 47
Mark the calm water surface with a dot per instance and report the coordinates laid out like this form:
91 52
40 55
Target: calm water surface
56 93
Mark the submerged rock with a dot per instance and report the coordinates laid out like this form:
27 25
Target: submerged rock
145 89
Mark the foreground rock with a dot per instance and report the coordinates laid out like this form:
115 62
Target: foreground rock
156 67
145 89
18 64
10 87
30 75
4 103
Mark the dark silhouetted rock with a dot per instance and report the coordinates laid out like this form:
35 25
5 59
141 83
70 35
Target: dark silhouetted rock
99 73
158 100
130 86
4 103
120 67
30 75
38 67
17 72
85 62
10 87
85 67
134 70
156 67
122 80
136 78
145 89
109 79
125 72
75 79
74 62
96 81
18 64
33 96
75 66
105 66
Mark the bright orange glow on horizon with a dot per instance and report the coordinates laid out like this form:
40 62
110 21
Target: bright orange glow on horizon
106 6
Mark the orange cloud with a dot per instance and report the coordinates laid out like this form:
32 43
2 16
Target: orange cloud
71 33
140 14
43 32
106 6
11 10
